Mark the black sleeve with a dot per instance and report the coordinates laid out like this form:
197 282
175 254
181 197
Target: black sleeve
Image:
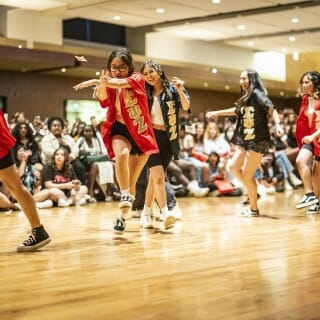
47 173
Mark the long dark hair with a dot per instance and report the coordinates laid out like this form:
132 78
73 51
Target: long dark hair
67 166
125 55
314 77
156 66
255 82
16 132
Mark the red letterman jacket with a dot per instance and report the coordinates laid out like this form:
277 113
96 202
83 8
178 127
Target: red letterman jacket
135 113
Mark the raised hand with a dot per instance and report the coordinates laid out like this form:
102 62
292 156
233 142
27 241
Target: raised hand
178 83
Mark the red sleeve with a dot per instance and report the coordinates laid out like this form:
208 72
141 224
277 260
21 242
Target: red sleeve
137 83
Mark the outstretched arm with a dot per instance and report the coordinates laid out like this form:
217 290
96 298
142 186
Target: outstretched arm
218 113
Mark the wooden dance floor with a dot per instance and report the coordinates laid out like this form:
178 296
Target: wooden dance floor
213 265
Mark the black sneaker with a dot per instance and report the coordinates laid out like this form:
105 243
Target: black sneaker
307 200
249 213
314 209
247 202
126 201
119 226
37 239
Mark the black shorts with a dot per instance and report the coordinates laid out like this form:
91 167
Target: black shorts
260 147
164 157
6 161
119 129
308 146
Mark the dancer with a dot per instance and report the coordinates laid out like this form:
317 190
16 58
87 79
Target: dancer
307 139
127 131
9 176
251 135
165 99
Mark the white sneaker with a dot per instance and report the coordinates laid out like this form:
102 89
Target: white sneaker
176 212
270 190
44 204
82 201
195 190
146 221
63 203
295 180
169 221
287 185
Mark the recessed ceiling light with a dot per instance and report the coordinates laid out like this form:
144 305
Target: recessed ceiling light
241 27
295 20
97 73
292 39
216 1
227 87
160 10
63 69
281 93
206 84
116 18
250 43
20 46
214 70
284 50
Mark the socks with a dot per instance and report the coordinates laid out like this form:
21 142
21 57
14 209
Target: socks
146 210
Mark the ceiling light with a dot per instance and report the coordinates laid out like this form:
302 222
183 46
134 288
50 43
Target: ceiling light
250 43
241 27
20 46
295 56
292 39
97 73
214 70
295 20
116 18
216 1
281 93
227 87
160 10
63 69
206 85
284 50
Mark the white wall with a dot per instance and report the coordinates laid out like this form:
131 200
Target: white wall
34 27
216 54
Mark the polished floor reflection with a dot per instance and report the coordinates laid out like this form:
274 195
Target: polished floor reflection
213 265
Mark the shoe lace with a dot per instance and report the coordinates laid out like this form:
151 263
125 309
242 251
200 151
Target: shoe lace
31 239
127 197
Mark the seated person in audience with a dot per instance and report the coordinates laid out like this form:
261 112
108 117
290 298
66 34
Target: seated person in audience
55 139
102 172
26 170
272 177
60 183
24 137
184 173
214 141
280 151
214 172
6 205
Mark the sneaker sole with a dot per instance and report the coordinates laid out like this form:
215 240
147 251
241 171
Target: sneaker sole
125 204
169 223
147 227
303 205
118 231
35 247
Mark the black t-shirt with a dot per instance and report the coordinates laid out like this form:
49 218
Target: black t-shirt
50 173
